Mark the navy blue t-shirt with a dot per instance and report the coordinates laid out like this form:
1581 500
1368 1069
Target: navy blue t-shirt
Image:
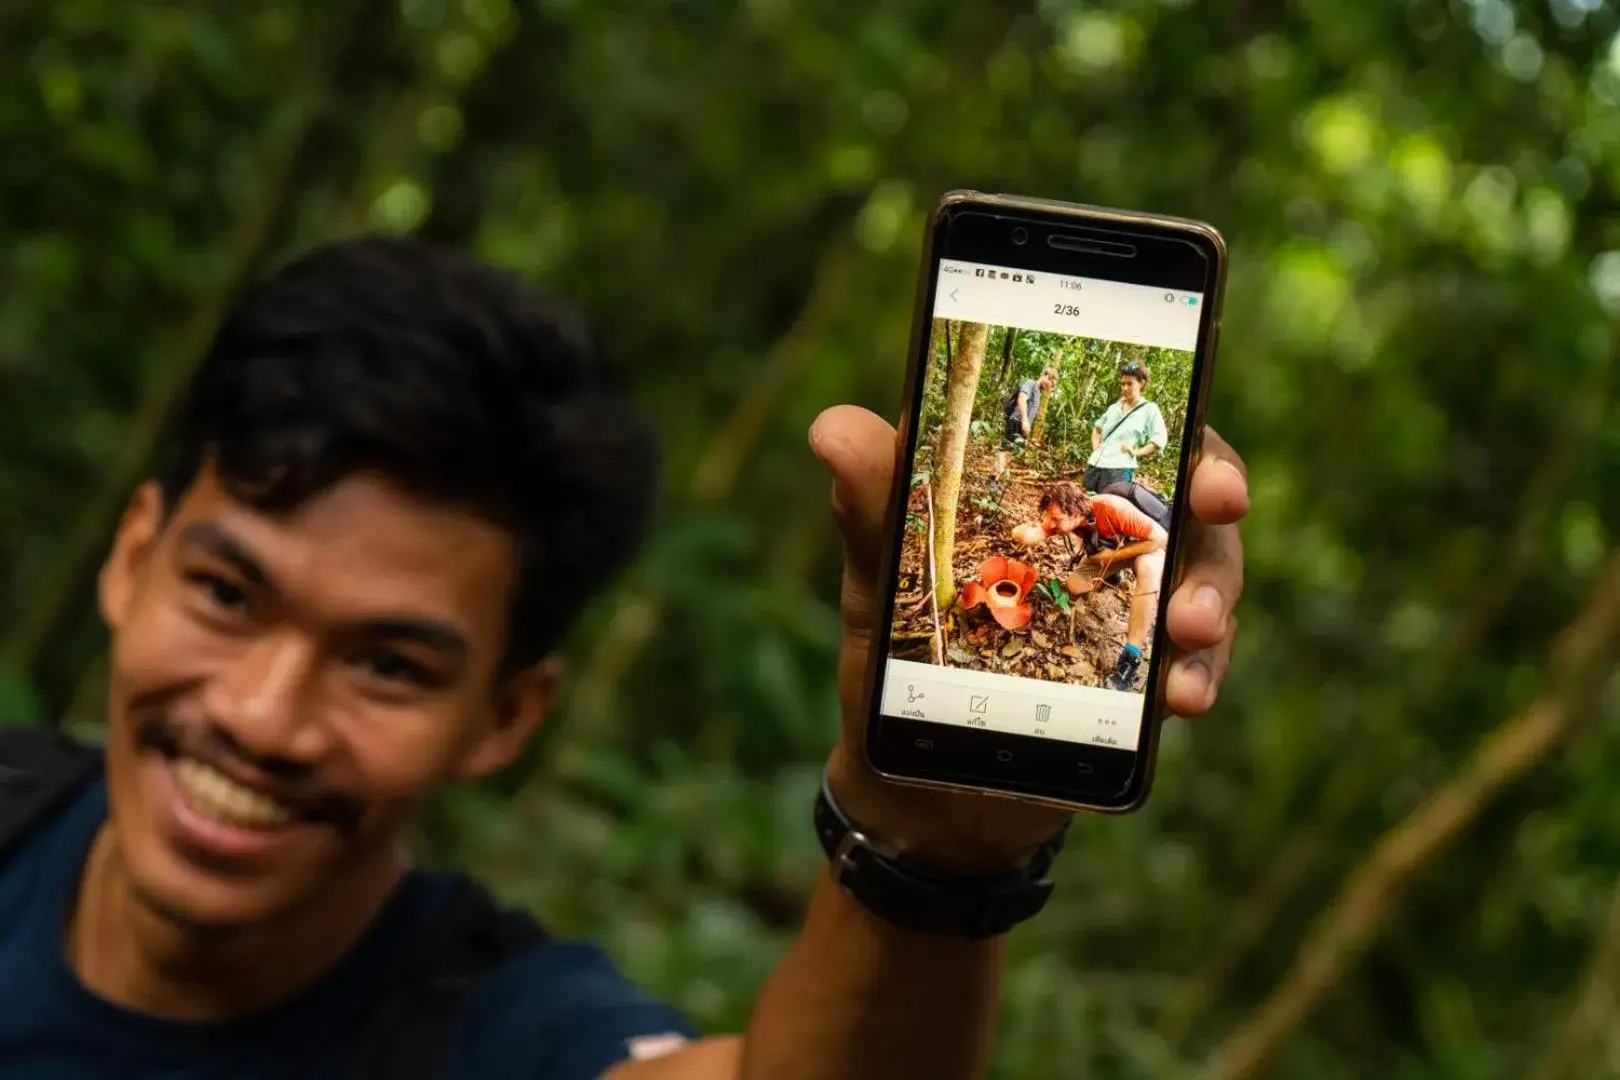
559 1011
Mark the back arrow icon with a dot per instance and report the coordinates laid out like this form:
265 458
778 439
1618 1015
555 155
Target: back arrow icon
953 296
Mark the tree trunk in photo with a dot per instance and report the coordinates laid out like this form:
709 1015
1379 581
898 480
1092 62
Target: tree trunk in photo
1175 421
952 451
1037 423
1008 340
938 336
1081 402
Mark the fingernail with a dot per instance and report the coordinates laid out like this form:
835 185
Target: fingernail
1209 598
1198 668
815 437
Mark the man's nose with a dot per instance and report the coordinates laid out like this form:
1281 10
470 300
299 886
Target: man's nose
264 701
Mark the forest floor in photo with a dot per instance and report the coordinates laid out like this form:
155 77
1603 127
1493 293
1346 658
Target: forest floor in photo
1075 643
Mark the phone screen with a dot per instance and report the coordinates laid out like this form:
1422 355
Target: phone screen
1048 447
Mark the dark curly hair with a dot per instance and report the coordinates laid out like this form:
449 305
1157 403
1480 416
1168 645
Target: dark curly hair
1068 497
461 382
1138 368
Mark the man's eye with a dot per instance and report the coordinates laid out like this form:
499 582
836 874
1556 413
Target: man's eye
219 592
390 665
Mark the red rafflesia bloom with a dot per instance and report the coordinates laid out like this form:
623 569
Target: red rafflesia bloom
1003 586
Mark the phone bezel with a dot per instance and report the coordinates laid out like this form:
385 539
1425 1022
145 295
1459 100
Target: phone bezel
1039 769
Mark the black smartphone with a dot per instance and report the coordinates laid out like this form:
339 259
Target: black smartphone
1052 416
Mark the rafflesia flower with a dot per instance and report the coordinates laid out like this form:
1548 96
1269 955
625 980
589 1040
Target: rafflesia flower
1003 586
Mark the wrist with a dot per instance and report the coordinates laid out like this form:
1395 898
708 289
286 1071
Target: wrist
938 830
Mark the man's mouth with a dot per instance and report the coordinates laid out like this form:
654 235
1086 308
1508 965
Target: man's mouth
215 796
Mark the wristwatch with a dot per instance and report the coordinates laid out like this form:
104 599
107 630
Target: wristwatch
895 889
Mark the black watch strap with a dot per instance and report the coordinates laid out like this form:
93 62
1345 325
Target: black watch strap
898 891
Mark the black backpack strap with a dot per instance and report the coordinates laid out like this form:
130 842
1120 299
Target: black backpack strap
40 770
470 935
1120 422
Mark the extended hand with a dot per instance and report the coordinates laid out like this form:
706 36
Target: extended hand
977 832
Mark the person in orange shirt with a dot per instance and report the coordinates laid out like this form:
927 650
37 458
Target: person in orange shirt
1126 537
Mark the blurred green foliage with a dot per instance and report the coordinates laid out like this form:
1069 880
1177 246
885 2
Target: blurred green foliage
1417 362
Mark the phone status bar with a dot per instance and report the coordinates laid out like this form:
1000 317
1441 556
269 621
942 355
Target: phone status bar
1084 307
986 274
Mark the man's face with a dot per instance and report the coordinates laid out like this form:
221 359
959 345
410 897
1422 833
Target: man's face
1047 380
1130 387
1055 520
284 689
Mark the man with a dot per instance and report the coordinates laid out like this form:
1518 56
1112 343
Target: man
391 494
1131 429
1019 420
1127 538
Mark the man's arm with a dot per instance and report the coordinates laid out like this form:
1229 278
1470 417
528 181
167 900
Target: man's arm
1096 439
1148 536
857 998
1107 558
1023 411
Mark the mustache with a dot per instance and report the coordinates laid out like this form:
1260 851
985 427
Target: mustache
297 790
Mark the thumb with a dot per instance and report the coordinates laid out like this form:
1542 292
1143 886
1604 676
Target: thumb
859 448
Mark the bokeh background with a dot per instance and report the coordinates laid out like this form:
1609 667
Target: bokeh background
1393 850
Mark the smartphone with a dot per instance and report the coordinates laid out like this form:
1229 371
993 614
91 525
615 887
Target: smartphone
1052 416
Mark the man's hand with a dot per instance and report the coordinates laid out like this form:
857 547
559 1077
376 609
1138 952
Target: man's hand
973 832
1126 447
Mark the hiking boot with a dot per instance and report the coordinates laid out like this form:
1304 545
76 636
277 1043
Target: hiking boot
1125 671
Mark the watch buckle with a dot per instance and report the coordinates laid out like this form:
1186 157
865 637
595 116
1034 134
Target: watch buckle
843 858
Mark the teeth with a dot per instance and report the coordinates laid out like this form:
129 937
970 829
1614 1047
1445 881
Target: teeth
214 795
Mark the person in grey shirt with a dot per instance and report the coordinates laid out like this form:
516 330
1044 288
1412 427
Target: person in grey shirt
1018 419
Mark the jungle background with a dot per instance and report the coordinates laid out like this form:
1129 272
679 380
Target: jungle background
962 513
1391 852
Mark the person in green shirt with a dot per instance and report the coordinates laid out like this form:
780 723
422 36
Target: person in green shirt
1131 429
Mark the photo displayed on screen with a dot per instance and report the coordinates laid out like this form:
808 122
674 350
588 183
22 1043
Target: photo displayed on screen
1035 540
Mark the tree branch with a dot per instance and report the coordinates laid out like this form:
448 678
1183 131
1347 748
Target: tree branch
718 468
1368 899
1592 1016
513 100
292 167
1348 788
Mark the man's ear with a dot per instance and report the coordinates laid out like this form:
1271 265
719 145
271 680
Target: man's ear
520 705
132 548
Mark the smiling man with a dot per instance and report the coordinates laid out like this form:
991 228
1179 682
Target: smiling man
390 496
